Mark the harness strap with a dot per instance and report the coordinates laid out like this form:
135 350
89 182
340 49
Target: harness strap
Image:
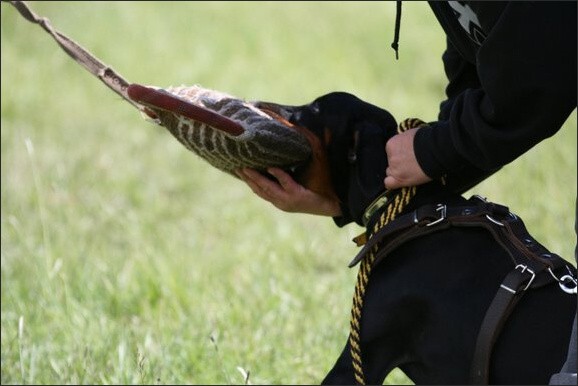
510 292
103 72
528 256
431 218
500 309
529 274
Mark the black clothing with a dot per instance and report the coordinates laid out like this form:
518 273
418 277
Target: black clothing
511 68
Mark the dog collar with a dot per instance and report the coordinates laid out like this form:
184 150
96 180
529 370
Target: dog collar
381 200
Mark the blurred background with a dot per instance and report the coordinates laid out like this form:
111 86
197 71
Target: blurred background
127 259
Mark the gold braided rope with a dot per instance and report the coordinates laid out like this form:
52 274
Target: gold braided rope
392 210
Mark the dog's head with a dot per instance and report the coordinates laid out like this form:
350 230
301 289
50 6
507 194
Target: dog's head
349 137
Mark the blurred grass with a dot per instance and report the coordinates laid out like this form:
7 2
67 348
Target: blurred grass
126 259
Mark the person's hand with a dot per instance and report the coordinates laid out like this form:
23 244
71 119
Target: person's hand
288 195
403 169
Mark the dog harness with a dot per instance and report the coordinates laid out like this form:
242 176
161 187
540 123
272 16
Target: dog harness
533 265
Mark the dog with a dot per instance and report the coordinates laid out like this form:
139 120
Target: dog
426 301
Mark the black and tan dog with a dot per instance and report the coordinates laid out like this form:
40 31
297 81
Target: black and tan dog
426 301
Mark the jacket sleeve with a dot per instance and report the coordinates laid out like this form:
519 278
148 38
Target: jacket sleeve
461 74
526 89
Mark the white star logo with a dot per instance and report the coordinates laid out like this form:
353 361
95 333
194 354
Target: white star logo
468 20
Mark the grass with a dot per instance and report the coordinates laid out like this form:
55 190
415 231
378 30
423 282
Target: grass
126 259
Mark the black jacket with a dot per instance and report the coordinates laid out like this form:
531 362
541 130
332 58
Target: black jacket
512 69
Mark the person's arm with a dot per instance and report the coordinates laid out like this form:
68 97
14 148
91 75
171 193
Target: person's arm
461 75
527 89
527 77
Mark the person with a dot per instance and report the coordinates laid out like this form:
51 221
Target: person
511 69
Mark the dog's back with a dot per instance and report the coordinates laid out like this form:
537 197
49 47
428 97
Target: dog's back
425 303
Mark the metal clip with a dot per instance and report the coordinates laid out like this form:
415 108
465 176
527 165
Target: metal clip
443 211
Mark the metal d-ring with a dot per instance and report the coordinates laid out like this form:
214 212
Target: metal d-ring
494 220
565 282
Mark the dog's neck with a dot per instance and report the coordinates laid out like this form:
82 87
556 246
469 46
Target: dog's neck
433 192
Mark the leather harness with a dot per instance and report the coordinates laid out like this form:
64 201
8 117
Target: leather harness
533 265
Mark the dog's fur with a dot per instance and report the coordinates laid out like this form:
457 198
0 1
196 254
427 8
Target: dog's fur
425 302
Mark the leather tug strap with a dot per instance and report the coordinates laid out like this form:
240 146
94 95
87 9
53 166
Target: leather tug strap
103 72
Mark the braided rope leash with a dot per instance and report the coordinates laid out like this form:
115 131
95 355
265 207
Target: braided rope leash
394 208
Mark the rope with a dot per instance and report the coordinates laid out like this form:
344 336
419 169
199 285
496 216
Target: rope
394 208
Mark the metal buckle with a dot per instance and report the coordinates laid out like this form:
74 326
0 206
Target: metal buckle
511 215
377 204
443 212
490 218
526 269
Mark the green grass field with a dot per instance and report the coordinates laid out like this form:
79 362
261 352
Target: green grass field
127 259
